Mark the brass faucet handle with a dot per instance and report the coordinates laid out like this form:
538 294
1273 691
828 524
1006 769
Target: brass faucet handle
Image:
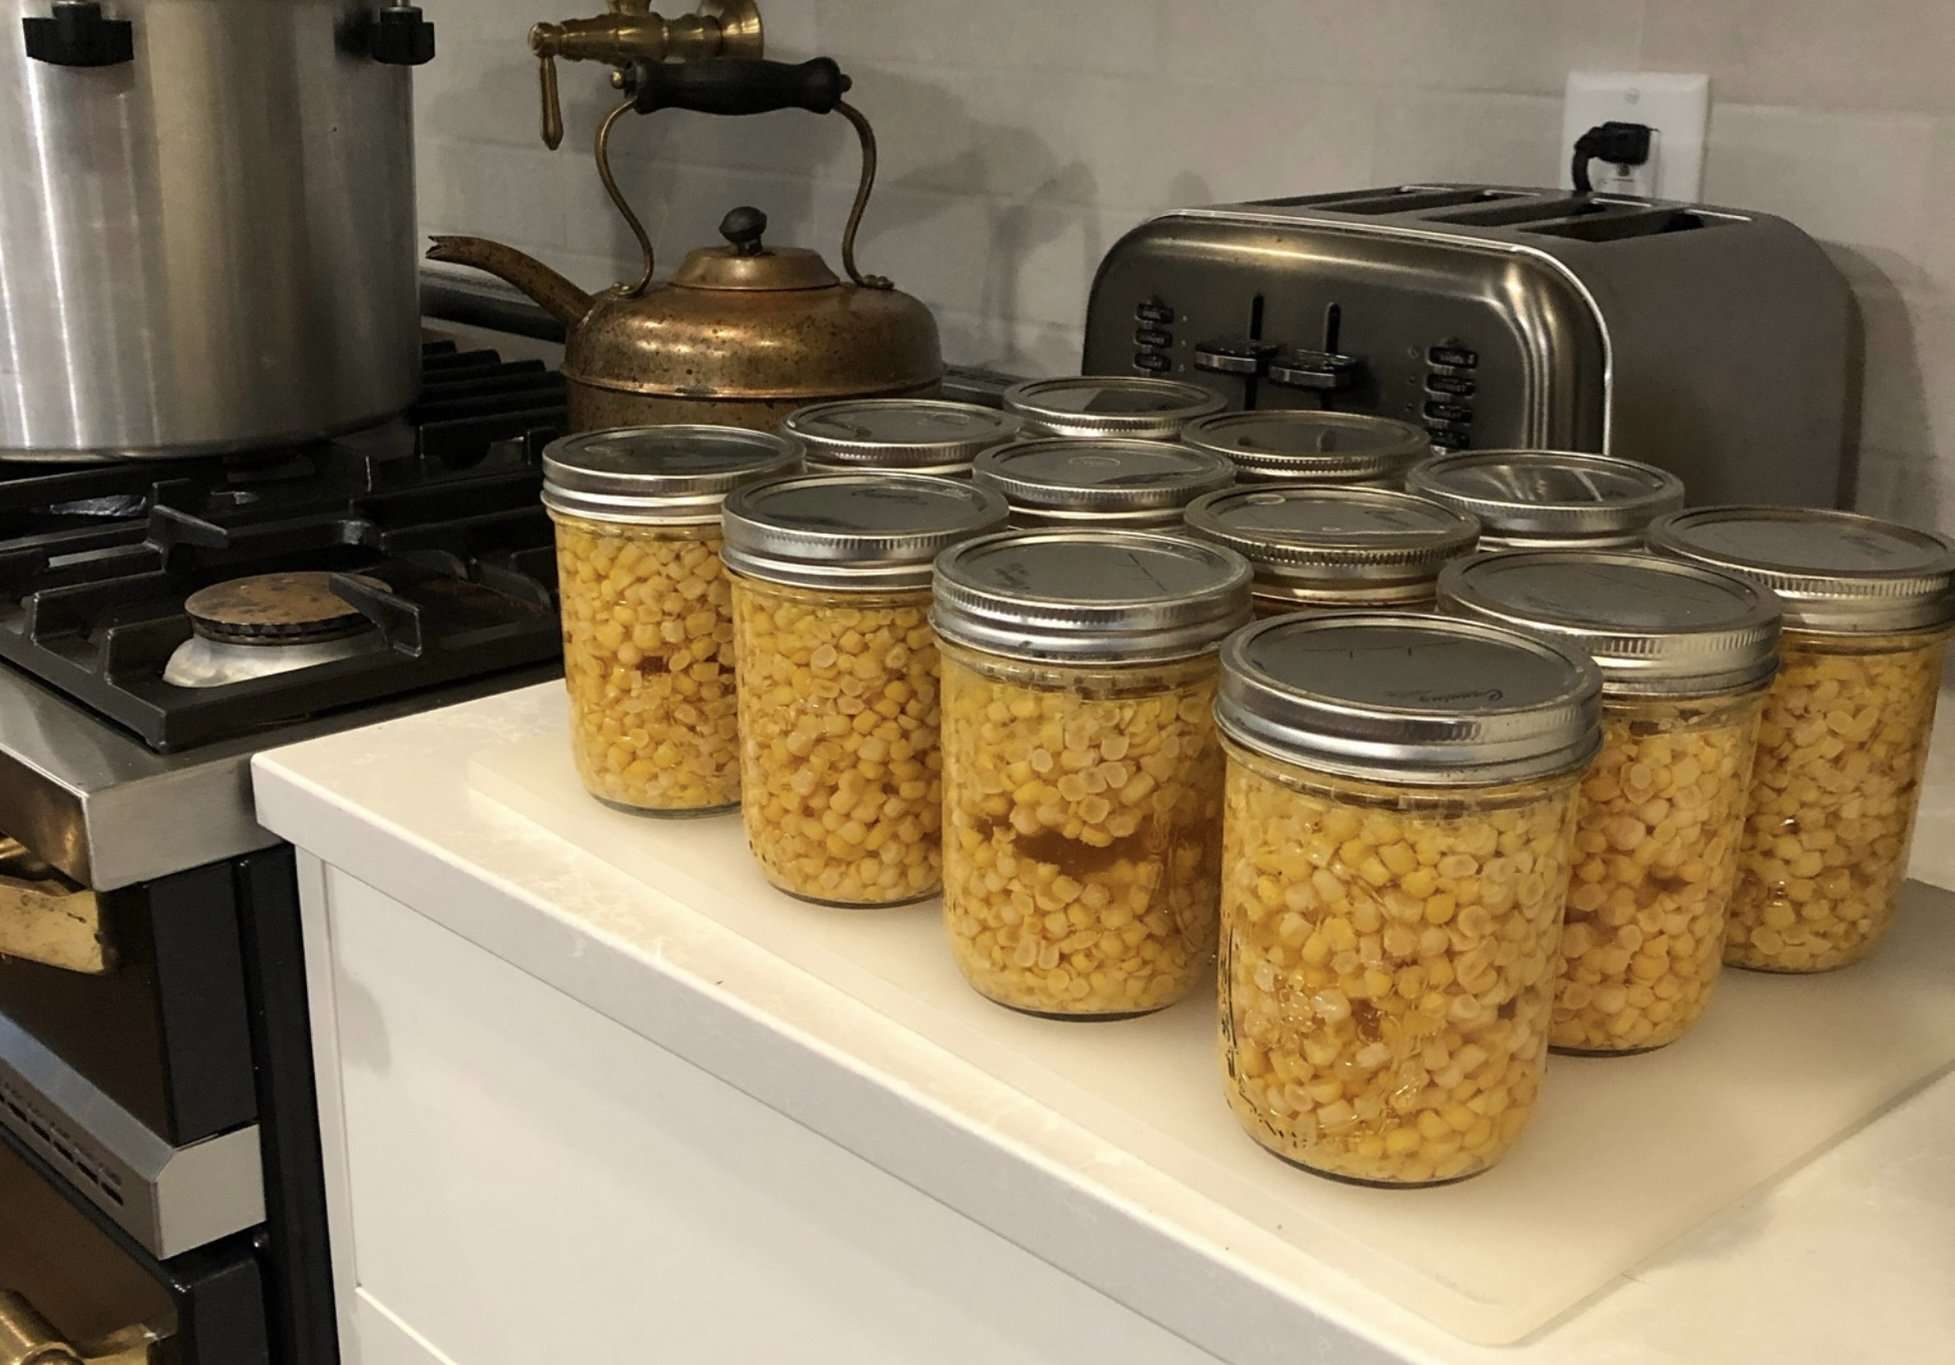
630 33
546 66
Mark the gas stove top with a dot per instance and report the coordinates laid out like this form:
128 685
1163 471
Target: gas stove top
428 530
389 571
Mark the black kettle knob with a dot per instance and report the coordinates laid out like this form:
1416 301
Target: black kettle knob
742 228
78 35
401 37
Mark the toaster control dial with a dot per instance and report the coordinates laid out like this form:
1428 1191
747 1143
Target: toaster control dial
1323 371
1234 355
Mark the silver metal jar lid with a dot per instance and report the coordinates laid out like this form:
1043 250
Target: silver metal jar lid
1405 700
872 532
1103 597
1540 499
1274 446
1330 545
1054 479
912 434
668 474
1833 571
1653 626
1109 405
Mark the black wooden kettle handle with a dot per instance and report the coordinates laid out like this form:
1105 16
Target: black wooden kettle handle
739 85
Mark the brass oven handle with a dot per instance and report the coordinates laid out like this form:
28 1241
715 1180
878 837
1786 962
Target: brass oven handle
737 86
27 1338
632 33
48 919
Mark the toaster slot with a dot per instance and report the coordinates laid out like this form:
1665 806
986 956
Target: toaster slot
1622 226
1407 199
1534 211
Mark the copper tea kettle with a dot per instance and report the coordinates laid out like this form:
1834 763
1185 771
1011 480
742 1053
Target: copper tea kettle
742 334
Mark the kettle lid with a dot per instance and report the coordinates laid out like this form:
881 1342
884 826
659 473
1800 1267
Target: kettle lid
744 263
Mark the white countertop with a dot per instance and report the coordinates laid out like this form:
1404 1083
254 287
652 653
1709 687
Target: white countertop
1852 1254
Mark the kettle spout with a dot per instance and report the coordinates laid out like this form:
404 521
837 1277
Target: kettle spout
564 300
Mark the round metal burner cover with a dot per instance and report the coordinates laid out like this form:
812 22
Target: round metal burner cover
277 608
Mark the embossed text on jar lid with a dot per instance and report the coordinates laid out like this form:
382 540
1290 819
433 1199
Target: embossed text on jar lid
1409 700
870 532
1055 480
668 474
1834 571
1109 405
1654 626
913 434
1332 545
1277 446
1547 499
1108 597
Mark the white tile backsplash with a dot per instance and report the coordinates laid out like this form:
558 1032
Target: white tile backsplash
1817 54
1020 138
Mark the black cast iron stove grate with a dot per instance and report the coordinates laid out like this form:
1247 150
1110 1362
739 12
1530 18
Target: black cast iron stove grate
441 507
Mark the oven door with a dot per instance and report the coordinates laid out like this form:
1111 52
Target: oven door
141 990
75 1288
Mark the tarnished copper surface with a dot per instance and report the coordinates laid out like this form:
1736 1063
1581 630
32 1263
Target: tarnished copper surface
742 333
595 409
276 607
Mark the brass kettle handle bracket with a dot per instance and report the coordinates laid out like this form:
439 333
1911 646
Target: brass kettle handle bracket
736 86
632 33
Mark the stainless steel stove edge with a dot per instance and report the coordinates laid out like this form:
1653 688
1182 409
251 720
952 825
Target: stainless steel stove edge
170 1199
108 811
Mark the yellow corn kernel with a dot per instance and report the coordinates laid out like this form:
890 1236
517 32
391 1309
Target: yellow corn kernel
653 720
1123 829
1366 994
825 774
1838 771
1684 808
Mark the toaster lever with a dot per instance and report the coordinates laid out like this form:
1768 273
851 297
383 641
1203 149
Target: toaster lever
1324 371
1234 355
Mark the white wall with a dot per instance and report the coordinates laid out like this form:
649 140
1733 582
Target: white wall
1020 138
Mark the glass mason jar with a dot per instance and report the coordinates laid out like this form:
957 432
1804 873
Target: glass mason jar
1335 549
1100 484
1274 445
1868 608
647 621
1401 790
1686 654
1109 406
909 435
1550 499
1082 774
838 677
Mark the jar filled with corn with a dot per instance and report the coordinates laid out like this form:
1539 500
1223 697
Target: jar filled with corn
1550 499
1401 792
840 766
909 435
1114 406
1102 484
1687 654
1082 774
1303 445
1335 549
647 615
1868 610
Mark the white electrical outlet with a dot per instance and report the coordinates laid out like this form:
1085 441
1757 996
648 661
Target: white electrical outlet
1676 106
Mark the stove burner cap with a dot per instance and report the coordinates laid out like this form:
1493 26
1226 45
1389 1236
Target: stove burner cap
277 609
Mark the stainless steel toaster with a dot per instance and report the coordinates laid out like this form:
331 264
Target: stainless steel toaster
1711 342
